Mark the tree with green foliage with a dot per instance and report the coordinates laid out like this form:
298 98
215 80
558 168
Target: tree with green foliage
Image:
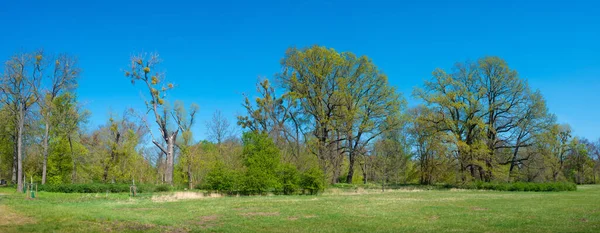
432 154
66 120
278 116
312 180
347 98
488 110
62 78
117 142
222 179
289 178
262 160
185 122
7 145
579 165
456 99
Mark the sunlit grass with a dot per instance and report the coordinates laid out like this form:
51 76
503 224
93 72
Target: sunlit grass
335 211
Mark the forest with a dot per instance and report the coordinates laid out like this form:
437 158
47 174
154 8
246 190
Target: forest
327 117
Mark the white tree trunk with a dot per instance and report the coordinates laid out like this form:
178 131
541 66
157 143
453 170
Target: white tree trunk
21 124
45 147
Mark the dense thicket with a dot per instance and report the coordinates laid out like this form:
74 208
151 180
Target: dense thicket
331 117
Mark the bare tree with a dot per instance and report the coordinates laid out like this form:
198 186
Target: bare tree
22 73
140 70
218 127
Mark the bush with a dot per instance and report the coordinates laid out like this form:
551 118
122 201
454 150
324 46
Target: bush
221 179
289 179
94 188
163 188
521 186
313 181
262 160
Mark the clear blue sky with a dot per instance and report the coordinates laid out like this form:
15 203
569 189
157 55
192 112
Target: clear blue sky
215 50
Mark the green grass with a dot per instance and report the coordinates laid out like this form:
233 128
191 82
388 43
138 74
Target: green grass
335 211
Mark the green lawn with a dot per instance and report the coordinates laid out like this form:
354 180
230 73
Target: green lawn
342 211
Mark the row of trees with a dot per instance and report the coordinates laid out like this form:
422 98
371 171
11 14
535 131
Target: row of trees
326 111
478 121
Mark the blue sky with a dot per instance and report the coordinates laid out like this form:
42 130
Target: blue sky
215 50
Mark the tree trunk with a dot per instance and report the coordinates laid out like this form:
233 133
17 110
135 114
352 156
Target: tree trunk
170 159
513 163
21 123
45 148
364 171
74 174
14 164
105 175
189 173
350 168
472 169
383 184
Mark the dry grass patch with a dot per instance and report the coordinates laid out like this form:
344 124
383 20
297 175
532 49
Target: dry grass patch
476 208
10 217
178 196
261 214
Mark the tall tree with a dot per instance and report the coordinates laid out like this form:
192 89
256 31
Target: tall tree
489 110
67 117
429 145
141 69
533 119
346 98
504 94
63 78
370 107
21 73
312 76
456 100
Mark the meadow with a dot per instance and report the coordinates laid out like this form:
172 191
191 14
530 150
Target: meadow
336 210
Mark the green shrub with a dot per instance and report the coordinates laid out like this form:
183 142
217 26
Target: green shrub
163 188
313 181
221 179
262 160
93 188
289 179
521 186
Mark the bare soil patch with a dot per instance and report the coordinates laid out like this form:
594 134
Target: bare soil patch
208 221
122 226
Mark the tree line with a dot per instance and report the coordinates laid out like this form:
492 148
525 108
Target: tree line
327 117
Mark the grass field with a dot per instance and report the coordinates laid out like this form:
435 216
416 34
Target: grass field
334 211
